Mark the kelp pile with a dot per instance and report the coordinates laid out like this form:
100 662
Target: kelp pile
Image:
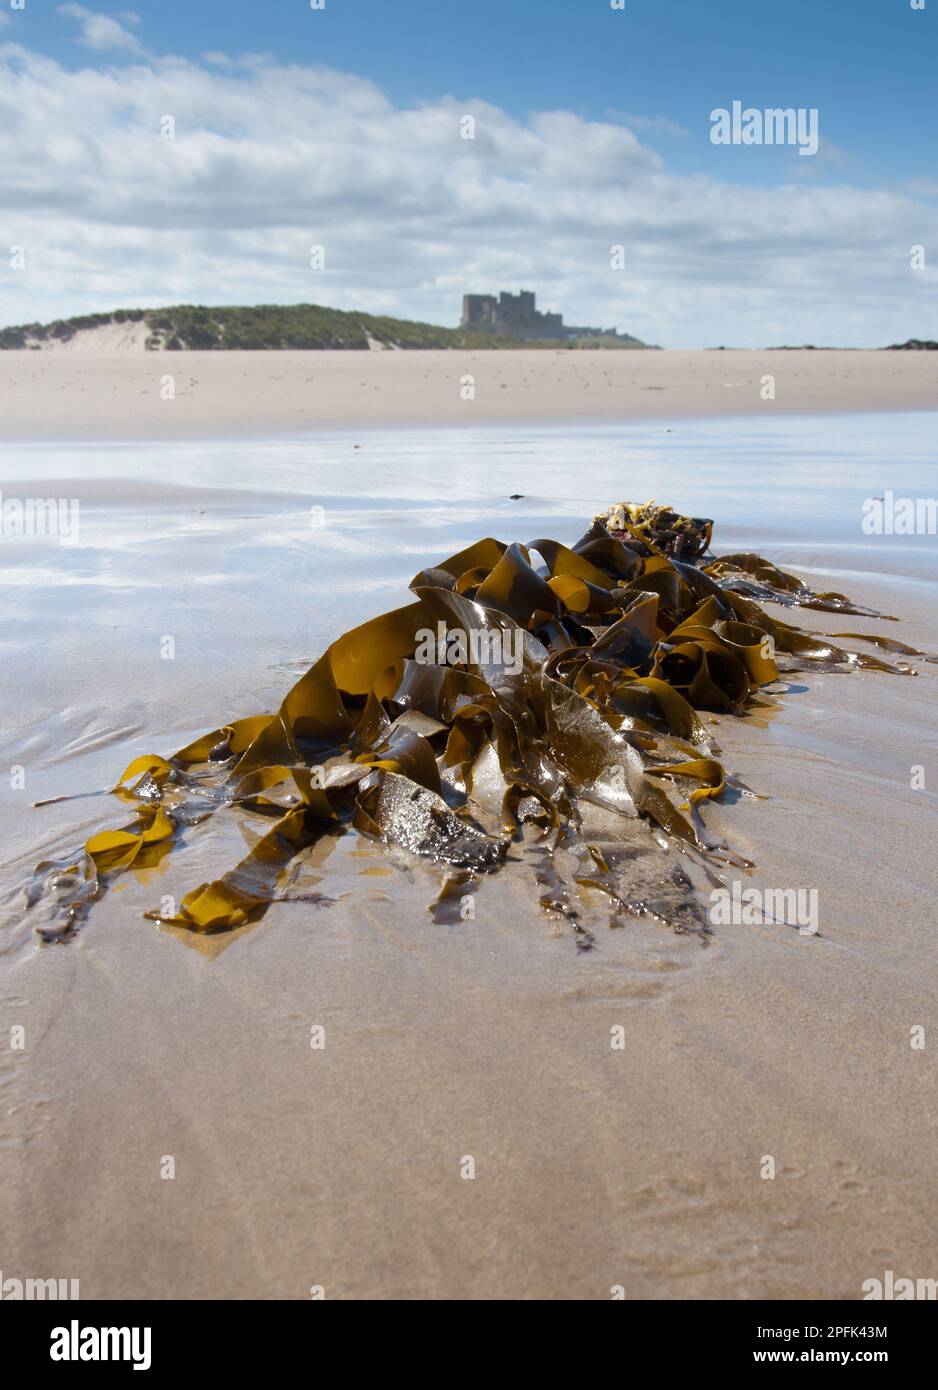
681 537
524 691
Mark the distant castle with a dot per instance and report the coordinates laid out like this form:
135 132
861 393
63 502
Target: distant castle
515 316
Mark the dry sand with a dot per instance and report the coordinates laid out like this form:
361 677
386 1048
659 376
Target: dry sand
121 394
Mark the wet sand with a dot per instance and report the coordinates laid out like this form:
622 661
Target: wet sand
341 1167
124 395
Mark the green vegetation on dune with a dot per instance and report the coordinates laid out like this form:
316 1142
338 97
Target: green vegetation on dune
273 326
267 326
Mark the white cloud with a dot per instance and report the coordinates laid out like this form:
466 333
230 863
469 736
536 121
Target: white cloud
101 31
270 159
926 188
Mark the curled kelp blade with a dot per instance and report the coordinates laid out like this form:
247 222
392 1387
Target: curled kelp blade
813 650
403 813
250 886
756 578
886 644
524 689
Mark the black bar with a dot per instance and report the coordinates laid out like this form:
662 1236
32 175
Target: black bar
225 1337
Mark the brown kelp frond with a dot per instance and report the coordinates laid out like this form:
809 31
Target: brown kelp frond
538 696
756 578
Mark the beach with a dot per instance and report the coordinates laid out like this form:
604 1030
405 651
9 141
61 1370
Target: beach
271 505
133 394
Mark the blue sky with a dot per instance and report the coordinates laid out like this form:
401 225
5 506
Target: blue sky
870 66
749 226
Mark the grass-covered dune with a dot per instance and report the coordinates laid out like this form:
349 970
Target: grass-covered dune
265 326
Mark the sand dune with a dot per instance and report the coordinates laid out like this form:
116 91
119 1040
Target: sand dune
106 338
